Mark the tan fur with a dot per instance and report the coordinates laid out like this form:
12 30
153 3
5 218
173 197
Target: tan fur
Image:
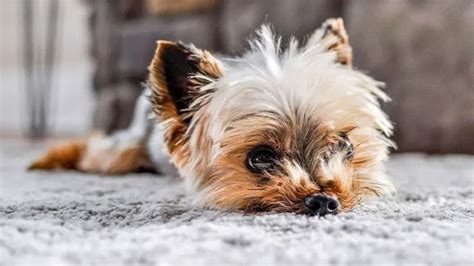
61 156
334 32
343 48
113 160
227 183
89 156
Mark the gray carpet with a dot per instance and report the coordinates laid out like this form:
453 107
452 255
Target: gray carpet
69 218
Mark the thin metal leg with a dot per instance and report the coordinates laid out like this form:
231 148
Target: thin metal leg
39 68
28 57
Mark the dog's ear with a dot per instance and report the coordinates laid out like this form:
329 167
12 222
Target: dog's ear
332 36
178 74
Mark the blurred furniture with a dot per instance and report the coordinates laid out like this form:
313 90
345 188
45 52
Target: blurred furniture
422 49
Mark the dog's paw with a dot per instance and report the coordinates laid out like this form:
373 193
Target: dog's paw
110 156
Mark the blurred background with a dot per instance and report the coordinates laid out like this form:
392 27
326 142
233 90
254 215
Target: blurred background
70 66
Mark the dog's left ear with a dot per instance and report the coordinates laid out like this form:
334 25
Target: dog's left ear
178 73
332 36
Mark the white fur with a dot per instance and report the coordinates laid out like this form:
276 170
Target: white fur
268 79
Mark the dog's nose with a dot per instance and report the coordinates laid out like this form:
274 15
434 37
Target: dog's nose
321 204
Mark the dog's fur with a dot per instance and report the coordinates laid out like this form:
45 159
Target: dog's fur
306 103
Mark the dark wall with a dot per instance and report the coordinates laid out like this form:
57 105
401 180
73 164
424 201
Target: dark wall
424 51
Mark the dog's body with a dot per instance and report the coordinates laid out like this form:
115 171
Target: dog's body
296 130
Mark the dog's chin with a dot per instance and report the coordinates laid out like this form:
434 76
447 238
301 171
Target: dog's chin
296 208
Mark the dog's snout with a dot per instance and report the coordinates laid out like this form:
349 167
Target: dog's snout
321 204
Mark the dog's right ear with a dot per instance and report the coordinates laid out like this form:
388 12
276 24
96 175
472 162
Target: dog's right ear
178 73
333 37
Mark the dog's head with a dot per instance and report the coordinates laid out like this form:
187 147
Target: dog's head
293 130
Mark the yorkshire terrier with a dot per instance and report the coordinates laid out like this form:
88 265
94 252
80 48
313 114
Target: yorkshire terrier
281 130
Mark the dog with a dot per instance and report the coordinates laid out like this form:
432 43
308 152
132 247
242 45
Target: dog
276 130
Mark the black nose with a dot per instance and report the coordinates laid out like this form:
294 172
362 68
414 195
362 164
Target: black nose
321 204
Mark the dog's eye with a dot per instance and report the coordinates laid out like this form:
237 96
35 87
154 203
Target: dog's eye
343 145
261 159
350 151
346 145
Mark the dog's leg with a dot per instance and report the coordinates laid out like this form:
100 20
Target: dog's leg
61 156
119 153
333 36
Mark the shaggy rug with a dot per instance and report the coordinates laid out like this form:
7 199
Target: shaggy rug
67 218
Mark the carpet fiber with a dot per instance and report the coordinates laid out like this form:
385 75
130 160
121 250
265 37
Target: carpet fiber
69 218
